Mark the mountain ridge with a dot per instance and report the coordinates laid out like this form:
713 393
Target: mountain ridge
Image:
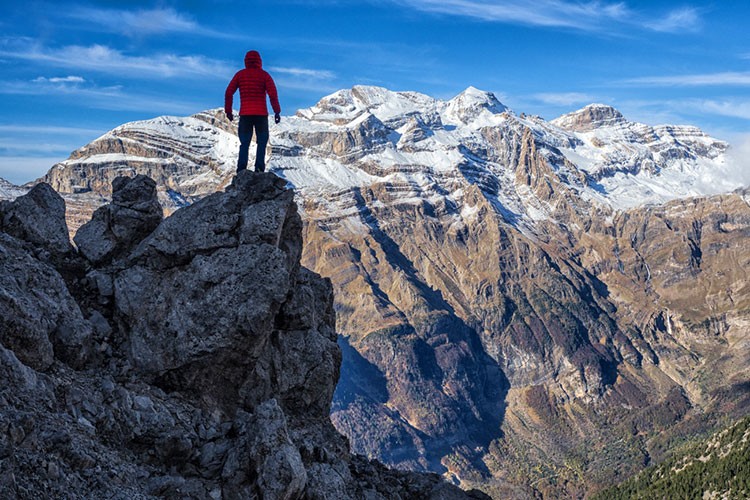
510 295
204 143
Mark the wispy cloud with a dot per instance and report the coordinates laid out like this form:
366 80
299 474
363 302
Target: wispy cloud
734 108
15 146
727 78
685 111
541 13
104 59
141 22
304 79
677 21
317 74
564 98
588 16
114 98
43 129
60 79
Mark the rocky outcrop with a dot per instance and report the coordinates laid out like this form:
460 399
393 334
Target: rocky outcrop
37 217
117 227
188 357
39 319
590 118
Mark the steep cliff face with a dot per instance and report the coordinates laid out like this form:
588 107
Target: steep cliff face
501 359
187 357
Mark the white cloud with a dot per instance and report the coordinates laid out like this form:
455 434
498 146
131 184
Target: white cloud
677 21
112 61
114 98
556 13
43 129
317 74
141 22
57 79
593 15
38 145
727 78
319 81
733 108
565 98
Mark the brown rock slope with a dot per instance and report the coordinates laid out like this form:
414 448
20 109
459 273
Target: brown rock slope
190 357
548 363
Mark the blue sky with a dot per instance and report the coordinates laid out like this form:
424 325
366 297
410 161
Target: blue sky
72 71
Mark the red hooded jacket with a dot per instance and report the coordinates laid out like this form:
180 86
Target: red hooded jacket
254 83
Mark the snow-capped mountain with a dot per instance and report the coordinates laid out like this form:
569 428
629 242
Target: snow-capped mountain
412 139
422 146
9 191
187 156
513 295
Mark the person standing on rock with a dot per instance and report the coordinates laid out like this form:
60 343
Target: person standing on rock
254 84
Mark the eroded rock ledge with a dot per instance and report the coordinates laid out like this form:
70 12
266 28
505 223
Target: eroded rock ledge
186 357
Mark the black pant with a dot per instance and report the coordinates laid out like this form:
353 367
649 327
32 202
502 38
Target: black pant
247 124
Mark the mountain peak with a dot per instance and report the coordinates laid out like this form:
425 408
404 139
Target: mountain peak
472 102
473 96
590 117
345 105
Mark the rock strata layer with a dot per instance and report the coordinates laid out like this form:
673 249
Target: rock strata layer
190 357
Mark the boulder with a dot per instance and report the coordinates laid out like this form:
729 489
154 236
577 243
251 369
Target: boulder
119 226
204 289
39 319
38 217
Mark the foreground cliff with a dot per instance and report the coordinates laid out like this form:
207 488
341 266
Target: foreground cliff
187 357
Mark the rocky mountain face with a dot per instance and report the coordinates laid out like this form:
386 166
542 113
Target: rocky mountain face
529 307
186 357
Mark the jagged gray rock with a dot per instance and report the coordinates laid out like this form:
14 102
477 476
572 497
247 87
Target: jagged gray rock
216 362
39 218
269 454
116 228
39 319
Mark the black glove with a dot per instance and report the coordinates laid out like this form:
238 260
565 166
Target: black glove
276 118
230 116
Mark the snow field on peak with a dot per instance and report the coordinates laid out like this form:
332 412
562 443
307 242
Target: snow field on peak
432 148
629 163
9 191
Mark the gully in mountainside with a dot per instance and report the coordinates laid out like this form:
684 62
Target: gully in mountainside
254 84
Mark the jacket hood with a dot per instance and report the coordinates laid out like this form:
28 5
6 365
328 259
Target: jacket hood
252 60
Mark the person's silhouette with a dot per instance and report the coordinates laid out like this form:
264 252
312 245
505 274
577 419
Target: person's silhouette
254 83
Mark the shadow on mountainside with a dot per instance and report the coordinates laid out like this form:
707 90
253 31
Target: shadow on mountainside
434 384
